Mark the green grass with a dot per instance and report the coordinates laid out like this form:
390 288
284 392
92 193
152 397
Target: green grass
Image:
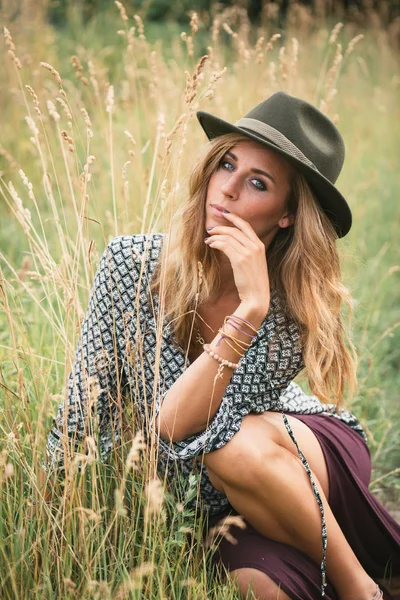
85 543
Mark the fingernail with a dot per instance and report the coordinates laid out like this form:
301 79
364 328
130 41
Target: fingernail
226 211
209 228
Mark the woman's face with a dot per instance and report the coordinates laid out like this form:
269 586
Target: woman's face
252 182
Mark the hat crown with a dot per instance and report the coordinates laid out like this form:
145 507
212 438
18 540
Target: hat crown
304 136
305 127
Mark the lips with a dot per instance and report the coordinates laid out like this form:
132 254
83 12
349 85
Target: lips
219 207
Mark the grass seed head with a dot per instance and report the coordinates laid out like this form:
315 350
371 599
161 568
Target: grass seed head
68 139
122 10
86 117
335 32
76 63
352 44
133 458
155 496
140 27
32 126
52 111
53 71
27 183
119 504
221 529
8 157
283 63
66 110
35 99
110 99
259 44
8 471
229 30
11 48
272 41
70 586
215 30
295 55
8 39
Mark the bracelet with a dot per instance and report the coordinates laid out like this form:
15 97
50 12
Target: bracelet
230 345
227 319
221 360
243 321
238 343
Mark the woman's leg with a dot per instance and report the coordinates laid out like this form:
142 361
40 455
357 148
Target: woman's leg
264 480
280 569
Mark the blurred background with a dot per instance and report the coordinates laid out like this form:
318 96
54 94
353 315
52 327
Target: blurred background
98 135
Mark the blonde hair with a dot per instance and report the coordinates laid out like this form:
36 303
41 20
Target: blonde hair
303 265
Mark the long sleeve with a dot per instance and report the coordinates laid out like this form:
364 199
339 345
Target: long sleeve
93 394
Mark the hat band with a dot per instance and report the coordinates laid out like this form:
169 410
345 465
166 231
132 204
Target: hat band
275 136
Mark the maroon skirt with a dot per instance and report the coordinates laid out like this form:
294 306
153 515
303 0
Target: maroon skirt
371 532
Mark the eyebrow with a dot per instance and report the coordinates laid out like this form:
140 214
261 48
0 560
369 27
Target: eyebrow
258 171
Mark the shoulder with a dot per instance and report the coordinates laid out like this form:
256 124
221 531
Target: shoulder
136 245
126 264
125 252
128 261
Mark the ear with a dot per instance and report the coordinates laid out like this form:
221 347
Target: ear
286 220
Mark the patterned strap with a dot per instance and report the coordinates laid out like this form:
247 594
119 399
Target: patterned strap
319 501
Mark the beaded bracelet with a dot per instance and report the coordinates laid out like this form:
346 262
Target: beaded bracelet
221 360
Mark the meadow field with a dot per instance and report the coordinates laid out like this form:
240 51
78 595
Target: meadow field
98 135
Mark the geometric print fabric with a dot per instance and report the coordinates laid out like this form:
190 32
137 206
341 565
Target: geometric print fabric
115 364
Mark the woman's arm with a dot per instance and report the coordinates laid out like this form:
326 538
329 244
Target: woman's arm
193 400
190 406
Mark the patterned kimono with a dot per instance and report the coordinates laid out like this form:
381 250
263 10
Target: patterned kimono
115 364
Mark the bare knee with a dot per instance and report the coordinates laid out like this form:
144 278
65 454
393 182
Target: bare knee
256 585
256 443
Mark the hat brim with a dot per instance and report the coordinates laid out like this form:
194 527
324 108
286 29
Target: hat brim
328 196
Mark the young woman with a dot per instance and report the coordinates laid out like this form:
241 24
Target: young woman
241 312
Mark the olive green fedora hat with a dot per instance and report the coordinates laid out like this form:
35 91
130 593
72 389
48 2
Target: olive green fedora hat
305 136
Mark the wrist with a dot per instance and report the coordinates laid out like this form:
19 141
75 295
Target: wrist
254 310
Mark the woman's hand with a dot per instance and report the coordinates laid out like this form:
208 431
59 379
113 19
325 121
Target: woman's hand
247 255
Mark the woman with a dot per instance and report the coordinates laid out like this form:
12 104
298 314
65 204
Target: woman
262 294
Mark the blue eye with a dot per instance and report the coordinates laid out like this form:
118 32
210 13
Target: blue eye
259 184
225 164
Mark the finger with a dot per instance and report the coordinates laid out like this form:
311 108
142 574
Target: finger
232 232
242 225
230 246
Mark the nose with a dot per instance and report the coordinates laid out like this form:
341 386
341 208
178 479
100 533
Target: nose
230 187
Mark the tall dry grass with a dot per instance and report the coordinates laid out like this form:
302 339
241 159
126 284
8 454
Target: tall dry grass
98 135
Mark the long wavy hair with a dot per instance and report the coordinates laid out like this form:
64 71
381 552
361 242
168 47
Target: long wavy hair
303 265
